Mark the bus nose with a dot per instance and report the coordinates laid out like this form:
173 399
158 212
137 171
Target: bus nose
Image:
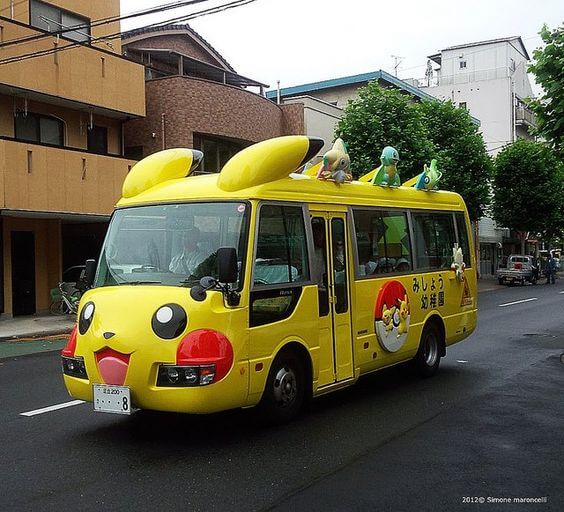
108 335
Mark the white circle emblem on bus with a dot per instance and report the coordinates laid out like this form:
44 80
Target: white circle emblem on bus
164 315
88 310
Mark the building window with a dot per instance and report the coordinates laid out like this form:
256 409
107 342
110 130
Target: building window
463 105
216 151
462 64
133 152
98 140
39 128
53 19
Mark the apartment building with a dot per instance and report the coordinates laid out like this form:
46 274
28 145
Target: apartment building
64 98
489 79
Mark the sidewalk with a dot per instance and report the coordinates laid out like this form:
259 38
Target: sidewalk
488 284
35 326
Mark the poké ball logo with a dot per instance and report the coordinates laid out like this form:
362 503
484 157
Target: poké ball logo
391 316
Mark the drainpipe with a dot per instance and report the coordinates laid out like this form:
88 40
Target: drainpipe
163 134
513 116
12 9
278 92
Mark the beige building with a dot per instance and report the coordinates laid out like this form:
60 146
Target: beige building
61 143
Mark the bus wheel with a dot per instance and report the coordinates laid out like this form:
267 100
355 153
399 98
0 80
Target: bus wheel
429 354
285 388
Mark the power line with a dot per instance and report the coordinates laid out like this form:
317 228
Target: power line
198 14
103 21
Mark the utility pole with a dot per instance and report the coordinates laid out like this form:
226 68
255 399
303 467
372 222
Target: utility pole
397 60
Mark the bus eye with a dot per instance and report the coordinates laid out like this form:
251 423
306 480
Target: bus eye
169 321
85 318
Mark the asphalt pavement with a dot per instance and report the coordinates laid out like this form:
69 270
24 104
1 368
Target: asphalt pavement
484 432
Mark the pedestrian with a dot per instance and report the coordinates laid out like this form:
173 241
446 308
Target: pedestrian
550 269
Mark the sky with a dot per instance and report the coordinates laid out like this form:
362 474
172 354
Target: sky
302 41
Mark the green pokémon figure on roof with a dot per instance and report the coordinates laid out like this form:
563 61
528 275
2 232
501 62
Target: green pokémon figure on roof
387 174
429 178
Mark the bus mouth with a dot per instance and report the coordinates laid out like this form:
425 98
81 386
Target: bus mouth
112 366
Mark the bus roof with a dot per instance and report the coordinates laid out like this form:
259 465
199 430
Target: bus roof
265 170
297 188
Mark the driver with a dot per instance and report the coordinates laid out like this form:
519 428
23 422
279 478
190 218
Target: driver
191 255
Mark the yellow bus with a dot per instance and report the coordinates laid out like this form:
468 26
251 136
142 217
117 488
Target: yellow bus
259 286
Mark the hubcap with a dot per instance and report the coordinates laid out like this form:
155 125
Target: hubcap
431 350
285 386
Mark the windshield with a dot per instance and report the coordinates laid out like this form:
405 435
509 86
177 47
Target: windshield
171 244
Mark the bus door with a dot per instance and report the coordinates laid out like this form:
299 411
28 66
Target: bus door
332 258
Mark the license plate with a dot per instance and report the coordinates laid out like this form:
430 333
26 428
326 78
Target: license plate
114 399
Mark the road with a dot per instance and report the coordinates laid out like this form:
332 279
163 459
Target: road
487 427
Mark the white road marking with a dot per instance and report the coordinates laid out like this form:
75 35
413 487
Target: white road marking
560 292
52 408
461 361
517 302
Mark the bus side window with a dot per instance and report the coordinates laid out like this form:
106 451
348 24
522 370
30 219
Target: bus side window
281 255
383 243
398 246
319 271
463 238
434 240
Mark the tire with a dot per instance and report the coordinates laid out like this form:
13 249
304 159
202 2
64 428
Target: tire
284 393
500 281
428 356
56 308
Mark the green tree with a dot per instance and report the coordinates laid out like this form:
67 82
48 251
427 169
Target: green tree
419 131
460 153
548 67
529 187
384 117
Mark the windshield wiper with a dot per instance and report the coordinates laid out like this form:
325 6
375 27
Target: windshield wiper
141 282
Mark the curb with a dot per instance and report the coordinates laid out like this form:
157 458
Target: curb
36 335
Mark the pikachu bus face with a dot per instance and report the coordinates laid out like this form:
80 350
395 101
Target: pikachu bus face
141 336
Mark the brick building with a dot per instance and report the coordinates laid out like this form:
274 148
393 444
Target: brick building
196 99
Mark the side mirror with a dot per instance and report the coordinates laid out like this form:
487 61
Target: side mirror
89 272
198 293
227 265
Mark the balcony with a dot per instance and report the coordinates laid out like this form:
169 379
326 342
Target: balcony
40 178
80 77
523 116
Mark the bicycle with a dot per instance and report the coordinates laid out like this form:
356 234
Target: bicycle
65 299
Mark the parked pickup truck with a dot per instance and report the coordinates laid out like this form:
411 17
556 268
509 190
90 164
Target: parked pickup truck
520 269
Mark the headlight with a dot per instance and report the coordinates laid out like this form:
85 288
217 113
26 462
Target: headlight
169 321
85 318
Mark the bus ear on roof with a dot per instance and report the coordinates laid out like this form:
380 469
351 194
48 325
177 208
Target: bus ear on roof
266 161
159 167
